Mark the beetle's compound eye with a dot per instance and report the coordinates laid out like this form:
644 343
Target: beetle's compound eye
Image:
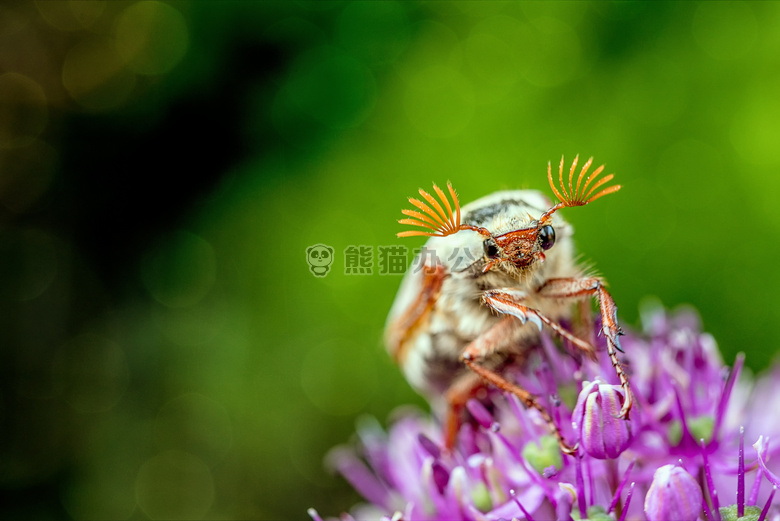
546 237
490 247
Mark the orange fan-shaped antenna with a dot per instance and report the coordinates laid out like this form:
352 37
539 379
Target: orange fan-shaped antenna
433 215
580 195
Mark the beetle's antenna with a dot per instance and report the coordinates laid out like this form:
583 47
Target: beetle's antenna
579 195
434 217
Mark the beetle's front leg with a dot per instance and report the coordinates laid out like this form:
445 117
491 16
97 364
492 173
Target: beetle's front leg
579 288
510 302
493 340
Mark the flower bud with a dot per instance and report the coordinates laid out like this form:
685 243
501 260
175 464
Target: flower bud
673 494
595 418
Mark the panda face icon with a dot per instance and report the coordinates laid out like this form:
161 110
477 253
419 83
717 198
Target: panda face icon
319 257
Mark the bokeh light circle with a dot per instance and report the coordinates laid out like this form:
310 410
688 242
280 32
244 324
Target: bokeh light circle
95 76
71 15
151 37
23 110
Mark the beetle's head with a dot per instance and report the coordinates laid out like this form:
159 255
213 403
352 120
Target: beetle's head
519 248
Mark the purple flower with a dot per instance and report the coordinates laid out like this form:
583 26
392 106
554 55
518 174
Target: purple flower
602 434
680 456
673 494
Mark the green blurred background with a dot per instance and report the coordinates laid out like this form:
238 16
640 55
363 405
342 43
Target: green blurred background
166 352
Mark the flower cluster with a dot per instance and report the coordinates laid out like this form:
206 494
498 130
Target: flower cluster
680 456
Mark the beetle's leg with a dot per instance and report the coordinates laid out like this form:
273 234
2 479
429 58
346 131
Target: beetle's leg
461 391
404 326
495 339
465 387
527 398
579 288
508 302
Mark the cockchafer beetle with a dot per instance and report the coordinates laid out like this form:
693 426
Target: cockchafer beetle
487 270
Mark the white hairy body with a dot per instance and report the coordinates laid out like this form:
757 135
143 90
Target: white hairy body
429 352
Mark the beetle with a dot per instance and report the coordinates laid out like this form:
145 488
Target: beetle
487 270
